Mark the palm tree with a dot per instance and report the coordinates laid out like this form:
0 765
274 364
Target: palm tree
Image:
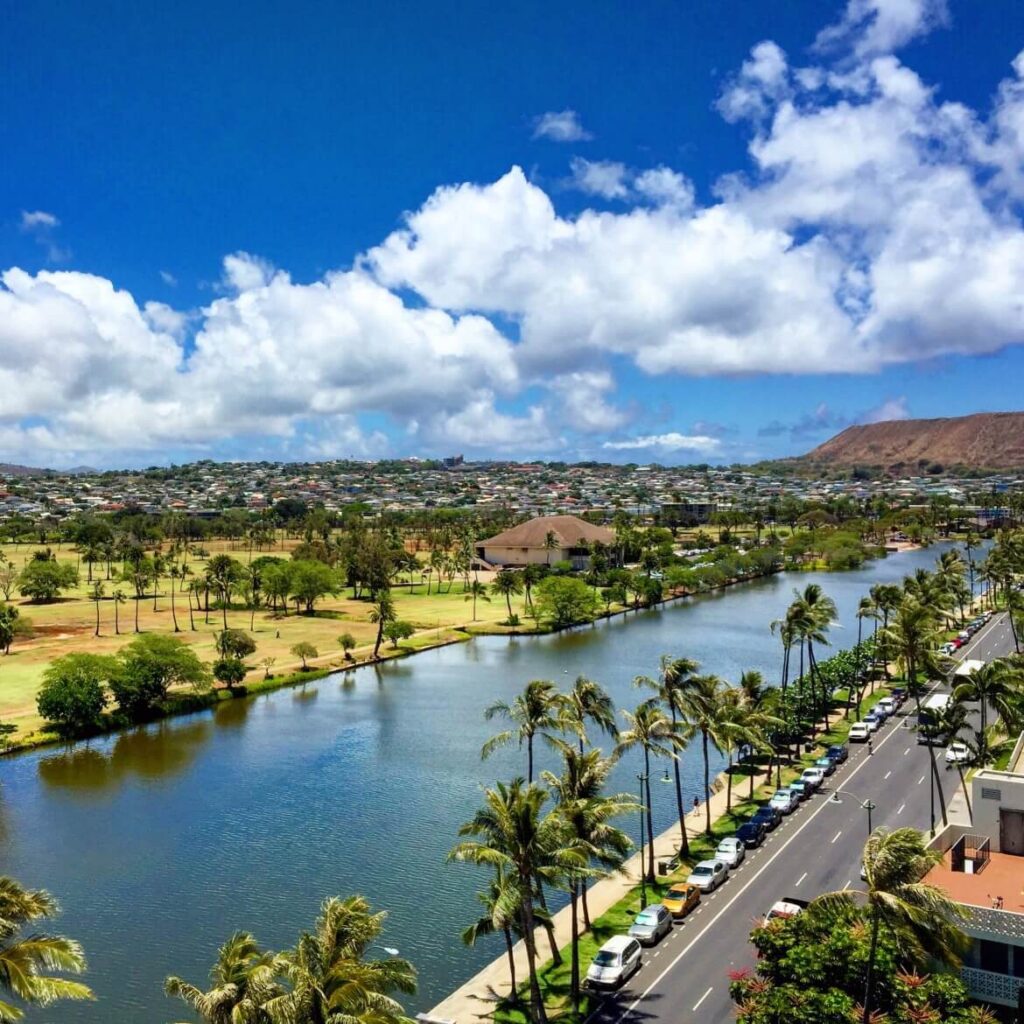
222 574
476 591
531 575
650 729
118 598
501 914
511 833
174 573
866 609
587 701
539 709
587 814
921 915
506 583
243 979
818 612
381 614
551 543
999 685
704 711
97 596
676 676
331 980
745 721
22 959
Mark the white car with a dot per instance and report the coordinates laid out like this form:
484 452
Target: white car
957 754
783 800
708 875
859 732
615 963
888 705
813 777
732 851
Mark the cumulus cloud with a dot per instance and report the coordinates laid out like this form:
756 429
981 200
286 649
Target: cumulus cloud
670 442
890 409
560 126
604 178
871 27
34 219
41 225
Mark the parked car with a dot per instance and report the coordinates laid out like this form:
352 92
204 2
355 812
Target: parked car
708 875
888 705
813 777
615 963
839 753
732 851
651 925
751 834
826 764
801 789
768 816
859 732
789 907
681 899
898 694
784 801
963 636
873 721
947 648
877 712
957 753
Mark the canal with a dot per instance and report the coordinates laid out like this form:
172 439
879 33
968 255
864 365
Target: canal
161 841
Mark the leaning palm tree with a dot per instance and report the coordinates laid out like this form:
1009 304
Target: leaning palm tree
588 701
511 832
330 979
501 912
476 591
997 685
705 711
921 915
538 710
24 958
650 729
676 677
381 614
243 979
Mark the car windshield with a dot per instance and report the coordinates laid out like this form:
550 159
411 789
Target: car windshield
702 869
677 894
648 917
605 958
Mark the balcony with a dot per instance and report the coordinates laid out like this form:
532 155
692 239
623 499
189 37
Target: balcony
989 987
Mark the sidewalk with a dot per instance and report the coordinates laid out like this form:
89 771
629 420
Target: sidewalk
476 998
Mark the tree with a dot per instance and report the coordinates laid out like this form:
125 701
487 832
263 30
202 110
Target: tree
511 833
551 543
588 702
8 579
43 580
347 642
381 614
150 665
398 629
9 616
501 905
304 650
538 710
651 730
119 599
229 672
565 601
24 958
235 644
474 592
243 980
223 574
330 978
311 581
72 695
997 685
268 664
138 574
506 583
921 915
704 711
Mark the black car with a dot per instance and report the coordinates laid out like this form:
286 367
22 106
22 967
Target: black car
768 817
750 834
838 754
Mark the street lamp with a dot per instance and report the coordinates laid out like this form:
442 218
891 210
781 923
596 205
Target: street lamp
642 778
867 805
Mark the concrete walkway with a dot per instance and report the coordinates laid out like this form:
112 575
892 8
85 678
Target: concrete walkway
476 998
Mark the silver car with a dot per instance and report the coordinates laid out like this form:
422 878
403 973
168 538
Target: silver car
708 875
651 925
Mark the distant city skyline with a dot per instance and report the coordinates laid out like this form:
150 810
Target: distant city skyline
716 233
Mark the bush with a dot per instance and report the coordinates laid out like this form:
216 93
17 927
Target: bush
72 696
398 629
229 672
347 642
564 601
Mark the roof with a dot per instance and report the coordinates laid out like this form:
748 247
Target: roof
1001 876
617 943
569 531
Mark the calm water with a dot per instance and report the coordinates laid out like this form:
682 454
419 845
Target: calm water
160 842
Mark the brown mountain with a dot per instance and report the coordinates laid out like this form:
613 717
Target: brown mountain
986 440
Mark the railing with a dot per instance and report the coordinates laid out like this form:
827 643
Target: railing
989 923
991 987
970 854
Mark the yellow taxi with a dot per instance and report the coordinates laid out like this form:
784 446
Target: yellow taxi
681 899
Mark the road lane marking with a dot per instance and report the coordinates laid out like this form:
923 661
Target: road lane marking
920 780
907 751
701 1000
837 835
886 775
900 811
739 892
847 886
801 878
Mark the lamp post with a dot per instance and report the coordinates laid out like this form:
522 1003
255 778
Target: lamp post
867 805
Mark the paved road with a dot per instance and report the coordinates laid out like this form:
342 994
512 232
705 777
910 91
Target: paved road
816 849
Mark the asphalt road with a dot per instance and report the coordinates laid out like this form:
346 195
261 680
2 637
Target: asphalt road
814 850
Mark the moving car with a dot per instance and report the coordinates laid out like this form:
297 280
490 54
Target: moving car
826 764
681 899
838 753
615 963
784 801
789 907
859 732
768 816
708 875
813 777
957 754
751 834
651 925
732 851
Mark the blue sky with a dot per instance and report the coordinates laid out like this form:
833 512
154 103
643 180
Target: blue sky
715 231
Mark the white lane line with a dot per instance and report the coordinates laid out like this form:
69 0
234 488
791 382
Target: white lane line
701 1000
837 835
920 780
847 886
886 775
907 751
801 878
900 811
739 892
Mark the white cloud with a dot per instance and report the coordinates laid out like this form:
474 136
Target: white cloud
604 178
581 401
890 409
668 442
168 278
34 219
243 271
763 79
871 27
560 126
662 185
